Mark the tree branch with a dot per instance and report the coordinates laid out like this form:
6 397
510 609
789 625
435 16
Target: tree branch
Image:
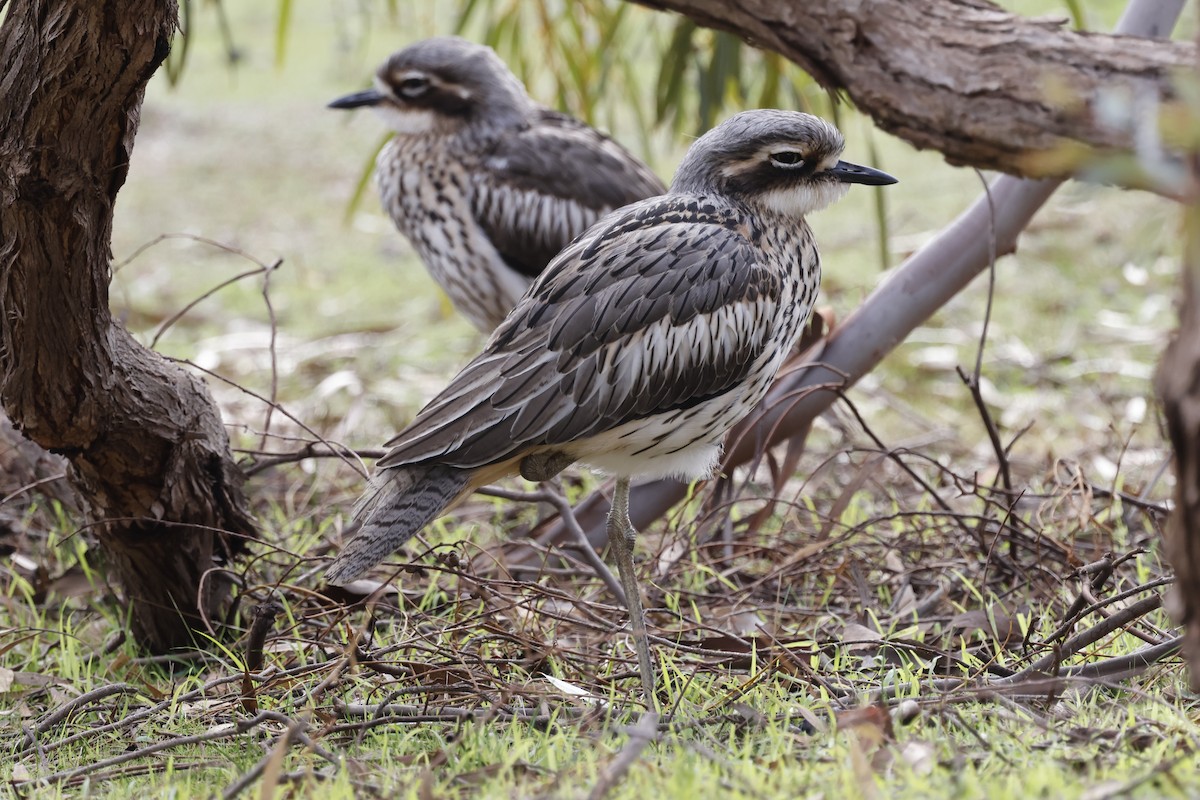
962 76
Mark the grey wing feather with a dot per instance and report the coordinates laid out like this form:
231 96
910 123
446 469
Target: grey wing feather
547 184
669 306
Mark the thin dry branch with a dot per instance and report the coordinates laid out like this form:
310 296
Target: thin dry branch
74 705
555 498
641 733
227 731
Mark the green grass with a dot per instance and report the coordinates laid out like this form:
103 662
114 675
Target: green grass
762 728
805 619
772 658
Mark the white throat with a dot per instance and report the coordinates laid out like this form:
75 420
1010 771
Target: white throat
409 122
800 201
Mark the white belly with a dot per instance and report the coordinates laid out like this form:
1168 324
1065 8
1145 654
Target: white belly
683 444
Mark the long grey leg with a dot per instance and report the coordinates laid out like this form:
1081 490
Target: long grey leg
620 537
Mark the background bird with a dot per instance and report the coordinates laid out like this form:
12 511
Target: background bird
487 184
639 346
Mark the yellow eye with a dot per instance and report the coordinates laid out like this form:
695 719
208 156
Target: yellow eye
413 86
788 159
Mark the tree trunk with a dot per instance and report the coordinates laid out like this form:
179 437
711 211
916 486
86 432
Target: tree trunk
1177 382
1178 385
149 457
961 76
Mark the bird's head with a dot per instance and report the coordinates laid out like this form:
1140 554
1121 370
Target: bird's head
785 161
441 85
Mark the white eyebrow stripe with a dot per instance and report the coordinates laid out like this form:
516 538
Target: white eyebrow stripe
779 147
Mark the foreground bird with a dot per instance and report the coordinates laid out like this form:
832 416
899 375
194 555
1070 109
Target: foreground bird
487 184
637 349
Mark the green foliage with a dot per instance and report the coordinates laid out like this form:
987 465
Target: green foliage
363 185
1077 15
176 63
281 31
605 58
177 58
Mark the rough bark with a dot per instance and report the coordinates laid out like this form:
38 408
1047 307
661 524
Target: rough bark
149 457
1178 385
961 76
1177 382
27 474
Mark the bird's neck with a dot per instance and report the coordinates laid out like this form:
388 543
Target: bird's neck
768 222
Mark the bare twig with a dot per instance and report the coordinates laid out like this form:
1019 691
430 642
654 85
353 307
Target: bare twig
74 705
546 494
263 620
973 381
141 715
1037 684
266 293
262 269
341 451
642 733
267 460
294 733
1073 617
1097 632
221 732
15 493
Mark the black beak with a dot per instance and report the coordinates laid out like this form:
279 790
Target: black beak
846 172
367 97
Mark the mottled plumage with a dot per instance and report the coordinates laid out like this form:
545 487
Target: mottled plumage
487 184
639 346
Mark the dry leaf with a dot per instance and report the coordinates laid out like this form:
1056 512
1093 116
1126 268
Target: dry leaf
571 690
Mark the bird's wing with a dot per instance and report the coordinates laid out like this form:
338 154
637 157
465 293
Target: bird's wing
661 306
541 187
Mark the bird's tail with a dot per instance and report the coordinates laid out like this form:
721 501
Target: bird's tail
399 501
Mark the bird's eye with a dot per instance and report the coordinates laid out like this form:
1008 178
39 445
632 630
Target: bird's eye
413 86
788 159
